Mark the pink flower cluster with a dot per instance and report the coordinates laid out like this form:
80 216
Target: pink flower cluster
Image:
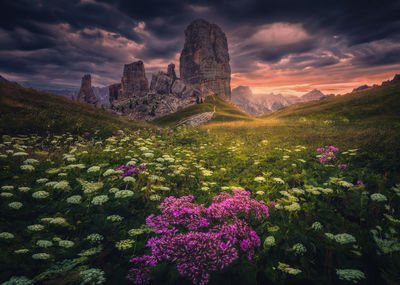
199 239
130 169
327 153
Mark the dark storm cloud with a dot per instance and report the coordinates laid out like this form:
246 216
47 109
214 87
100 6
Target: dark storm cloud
66 38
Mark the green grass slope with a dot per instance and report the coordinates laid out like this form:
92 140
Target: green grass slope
224 112
380 104
25 110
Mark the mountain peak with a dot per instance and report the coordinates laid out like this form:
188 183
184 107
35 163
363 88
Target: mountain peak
314 94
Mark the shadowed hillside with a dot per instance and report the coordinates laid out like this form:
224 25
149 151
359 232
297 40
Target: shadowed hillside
24 110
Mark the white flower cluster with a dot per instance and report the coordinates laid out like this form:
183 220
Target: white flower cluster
44 243
155 197
40 195
15 205
99 200
259 179
299 249
27 167
124 194
93 169
62 185
6 235
317 226
293 207
92 276
7 187
21 251
35 227
269 242
75 199
341 238
94 238
115 218
286 268
42 180
20 280
66 243
24 189
377 197
278 180
124 244
353 275
128 179
55 221
41 256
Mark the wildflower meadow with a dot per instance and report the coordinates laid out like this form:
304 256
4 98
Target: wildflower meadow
195 206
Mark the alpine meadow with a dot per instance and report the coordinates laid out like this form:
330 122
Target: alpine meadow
269 156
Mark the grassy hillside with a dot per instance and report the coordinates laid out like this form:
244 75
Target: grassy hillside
381 104
24 110
224 112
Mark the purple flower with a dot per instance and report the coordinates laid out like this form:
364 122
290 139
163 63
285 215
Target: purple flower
86 134
199 239
130 169
359 182
342 166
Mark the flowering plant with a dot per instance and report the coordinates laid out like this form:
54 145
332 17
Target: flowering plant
201 239
130 169
327 153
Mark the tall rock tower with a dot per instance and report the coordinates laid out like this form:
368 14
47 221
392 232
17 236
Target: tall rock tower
204 61
86 93
134 81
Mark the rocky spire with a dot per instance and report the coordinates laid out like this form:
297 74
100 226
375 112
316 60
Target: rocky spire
134 81
86 93
204 61
171 71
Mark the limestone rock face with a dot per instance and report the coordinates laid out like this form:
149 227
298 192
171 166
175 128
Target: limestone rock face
178 86
86 93
161 83
114 92
204 61
134 81
171 71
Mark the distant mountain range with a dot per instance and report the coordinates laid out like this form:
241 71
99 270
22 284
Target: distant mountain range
258 104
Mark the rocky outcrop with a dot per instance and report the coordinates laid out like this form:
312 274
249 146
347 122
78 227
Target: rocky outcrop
361 88
197 120
114 92
204 69
134 81
167 95
171 71
86 93
395 78
161 83
204 61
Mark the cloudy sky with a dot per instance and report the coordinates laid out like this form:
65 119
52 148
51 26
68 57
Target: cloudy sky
286 46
